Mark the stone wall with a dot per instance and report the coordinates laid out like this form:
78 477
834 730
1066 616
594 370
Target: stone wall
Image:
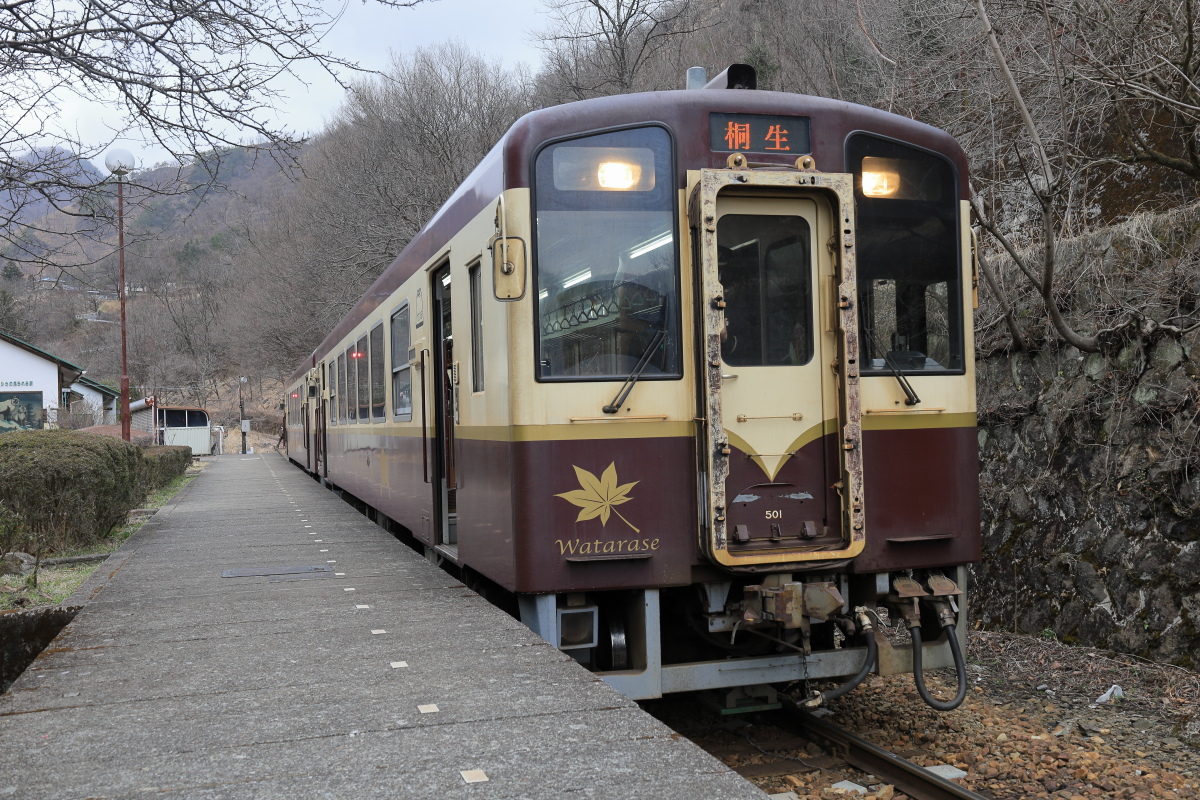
1090 466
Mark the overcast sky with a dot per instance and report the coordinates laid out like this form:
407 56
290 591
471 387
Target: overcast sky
366 33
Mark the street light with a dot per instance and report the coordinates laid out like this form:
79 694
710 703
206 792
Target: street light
120 163
242 411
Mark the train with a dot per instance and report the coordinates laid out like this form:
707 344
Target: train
685 379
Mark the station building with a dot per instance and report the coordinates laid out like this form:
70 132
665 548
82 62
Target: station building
34 385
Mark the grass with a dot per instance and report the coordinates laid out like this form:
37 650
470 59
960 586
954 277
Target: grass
56 584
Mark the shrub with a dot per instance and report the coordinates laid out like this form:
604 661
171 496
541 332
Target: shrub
69 488
10 529
164 464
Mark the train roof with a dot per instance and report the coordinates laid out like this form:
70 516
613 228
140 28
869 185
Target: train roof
508 164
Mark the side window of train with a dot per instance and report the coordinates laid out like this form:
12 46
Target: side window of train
378 381
910 308
606 259
332 377
401 371
363 362
352 384
476 281
341 371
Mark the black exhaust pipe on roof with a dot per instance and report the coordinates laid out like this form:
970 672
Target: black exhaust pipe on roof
735 76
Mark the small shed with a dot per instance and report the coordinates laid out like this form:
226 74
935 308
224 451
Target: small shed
92 403
188 426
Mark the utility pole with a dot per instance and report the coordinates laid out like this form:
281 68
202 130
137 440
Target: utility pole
120 163
242 410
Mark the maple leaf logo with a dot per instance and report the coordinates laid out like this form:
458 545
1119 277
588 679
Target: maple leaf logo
598 495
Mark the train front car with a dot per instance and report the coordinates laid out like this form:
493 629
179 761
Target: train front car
745 418
687 374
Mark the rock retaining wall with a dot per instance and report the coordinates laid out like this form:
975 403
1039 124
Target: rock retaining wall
1090 482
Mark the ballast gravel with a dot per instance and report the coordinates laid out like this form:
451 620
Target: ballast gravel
1029 727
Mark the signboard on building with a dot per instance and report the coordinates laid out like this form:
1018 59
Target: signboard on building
20 411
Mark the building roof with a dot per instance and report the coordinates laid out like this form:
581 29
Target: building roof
68 372
99 387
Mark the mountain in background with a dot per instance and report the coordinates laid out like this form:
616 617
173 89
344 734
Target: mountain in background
40 165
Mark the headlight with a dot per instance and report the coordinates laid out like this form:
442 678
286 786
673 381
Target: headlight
879 177
604 169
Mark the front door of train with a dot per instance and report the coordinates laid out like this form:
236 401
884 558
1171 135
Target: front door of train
443 386
776 393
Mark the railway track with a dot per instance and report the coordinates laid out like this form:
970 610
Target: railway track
786 744
907 777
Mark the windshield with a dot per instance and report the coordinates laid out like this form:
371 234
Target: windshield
606 262
910 291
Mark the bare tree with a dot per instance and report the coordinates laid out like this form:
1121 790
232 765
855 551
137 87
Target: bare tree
14 316
1085 68
1046 183
194 76
392 155
1145 55
602 47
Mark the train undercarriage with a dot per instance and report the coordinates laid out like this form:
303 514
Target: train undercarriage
777 630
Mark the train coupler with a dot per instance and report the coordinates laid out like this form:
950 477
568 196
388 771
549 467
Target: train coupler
791 603
780 603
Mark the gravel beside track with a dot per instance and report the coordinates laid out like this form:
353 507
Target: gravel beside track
1013 738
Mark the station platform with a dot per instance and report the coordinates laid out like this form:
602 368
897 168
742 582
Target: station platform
371 674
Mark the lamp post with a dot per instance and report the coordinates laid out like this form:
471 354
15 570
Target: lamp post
242 411
120 163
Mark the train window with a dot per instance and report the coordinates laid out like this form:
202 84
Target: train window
476 328
766 274
363 361
606 263
341 398
910 284
401 371
378 381
352 384
330 369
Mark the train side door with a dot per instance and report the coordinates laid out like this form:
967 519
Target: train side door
443 384
304 414
319 441
775 396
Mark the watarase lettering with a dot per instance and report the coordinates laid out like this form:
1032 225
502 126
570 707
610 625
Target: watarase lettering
583 547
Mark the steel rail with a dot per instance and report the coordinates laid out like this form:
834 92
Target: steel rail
915 781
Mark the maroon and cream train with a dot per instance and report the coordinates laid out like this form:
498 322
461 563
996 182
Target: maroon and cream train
689 374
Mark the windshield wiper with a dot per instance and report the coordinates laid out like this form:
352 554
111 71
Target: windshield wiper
911 395
643 362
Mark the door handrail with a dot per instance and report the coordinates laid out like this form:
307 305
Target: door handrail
424 421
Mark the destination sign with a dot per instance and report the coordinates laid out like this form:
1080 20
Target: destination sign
759 133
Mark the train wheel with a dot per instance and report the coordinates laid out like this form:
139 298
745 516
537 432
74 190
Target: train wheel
613 646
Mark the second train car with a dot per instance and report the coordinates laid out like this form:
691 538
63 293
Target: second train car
689 376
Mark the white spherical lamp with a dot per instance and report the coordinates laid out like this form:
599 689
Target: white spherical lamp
119 161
